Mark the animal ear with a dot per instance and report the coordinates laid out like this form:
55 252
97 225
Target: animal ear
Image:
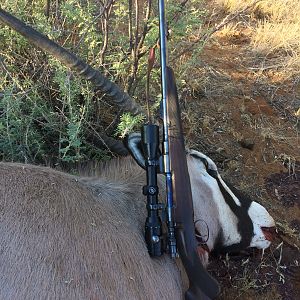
133 143
210 166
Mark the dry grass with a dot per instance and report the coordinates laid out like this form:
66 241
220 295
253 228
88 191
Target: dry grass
234 5
275 29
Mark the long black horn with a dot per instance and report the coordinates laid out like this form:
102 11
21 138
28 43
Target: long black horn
119 97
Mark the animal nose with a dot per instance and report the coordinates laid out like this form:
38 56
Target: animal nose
269 233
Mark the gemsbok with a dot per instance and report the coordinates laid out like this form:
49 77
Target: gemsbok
68 237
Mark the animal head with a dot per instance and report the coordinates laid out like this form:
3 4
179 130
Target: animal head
232 220
224 218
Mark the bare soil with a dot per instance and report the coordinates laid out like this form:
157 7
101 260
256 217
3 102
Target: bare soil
243 117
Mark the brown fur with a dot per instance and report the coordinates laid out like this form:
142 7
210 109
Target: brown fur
68 238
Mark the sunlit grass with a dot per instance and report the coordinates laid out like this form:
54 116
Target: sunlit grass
234 5
276 28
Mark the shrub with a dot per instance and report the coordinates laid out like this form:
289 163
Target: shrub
47 115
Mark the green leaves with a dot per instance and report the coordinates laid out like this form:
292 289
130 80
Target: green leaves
19 122
49 115
128 123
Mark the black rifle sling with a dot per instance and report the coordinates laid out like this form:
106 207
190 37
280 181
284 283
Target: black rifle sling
202 284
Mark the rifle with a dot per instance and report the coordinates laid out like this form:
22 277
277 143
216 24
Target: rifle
179 208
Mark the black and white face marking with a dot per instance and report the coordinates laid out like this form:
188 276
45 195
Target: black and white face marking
247 216
210 207
235 221
261 219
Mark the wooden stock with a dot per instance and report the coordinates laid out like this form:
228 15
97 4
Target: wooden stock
202 285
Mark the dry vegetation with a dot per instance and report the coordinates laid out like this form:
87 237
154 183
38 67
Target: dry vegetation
275 29
243 110
239 76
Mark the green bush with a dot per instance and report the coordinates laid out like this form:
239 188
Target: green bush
46 113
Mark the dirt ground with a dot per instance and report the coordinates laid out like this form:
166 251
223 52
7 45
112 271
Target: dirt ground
244 118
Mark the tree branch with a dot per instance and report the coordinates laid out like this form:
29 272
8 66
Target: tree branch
139 41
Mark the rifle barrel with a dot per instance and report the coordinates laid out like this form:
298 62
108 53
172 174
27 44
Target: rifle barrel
164 87
181 232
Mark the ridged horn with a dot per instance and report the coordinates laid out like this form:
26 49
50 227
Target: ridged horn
119 97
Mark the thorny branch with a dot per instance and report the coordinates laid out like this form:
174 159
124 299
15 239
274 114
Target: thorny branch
47 8
130 35
138 43
104 8
107 14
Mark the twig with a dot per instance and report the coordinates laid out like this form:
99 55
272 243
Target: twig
107 14
108 4
139 41
130 35
47 8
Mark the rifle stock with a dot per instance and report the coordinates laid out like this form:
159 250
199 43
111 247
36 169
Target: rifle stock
202 285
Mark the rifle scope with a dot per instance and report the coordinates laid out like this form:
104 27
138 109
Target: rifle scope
153 225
